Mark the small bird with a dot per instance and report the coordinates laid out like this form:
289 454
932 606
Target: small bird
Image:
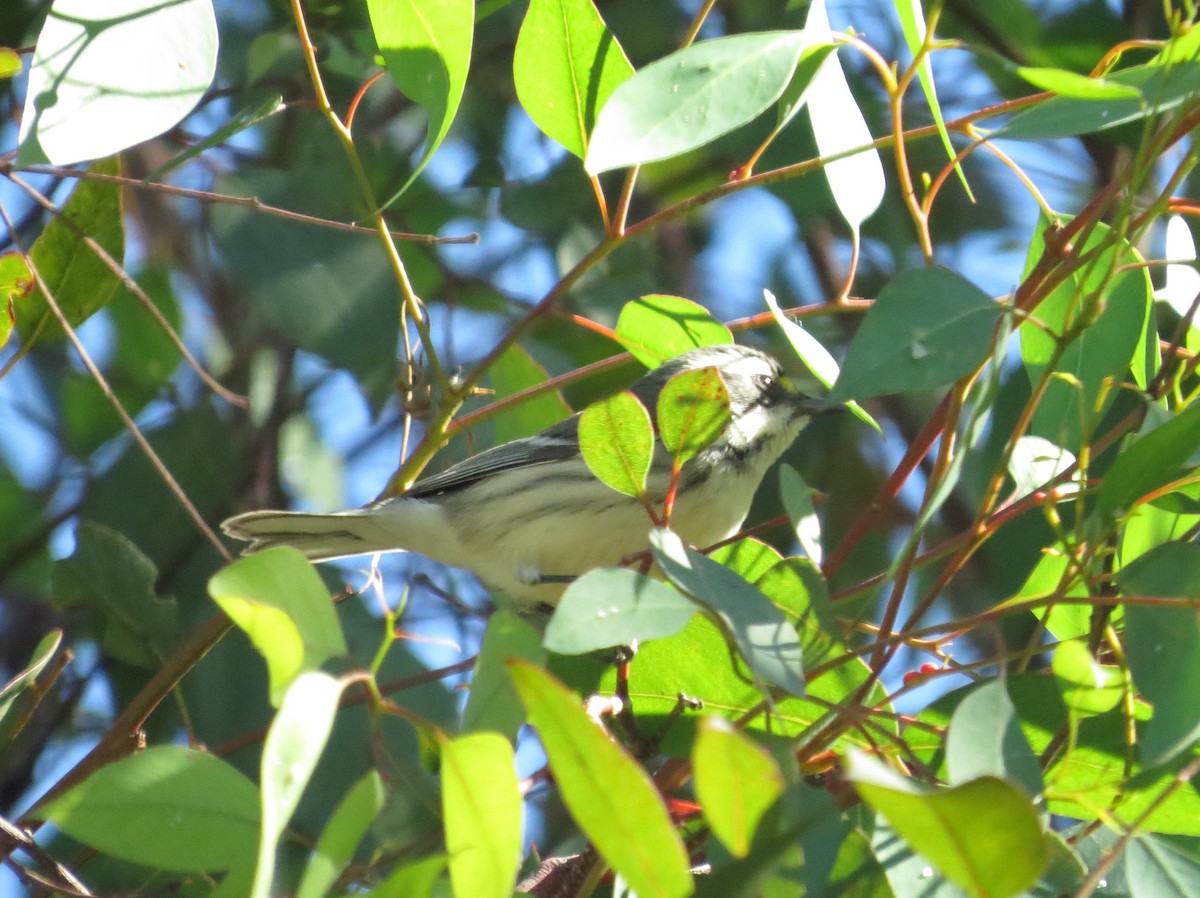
529 515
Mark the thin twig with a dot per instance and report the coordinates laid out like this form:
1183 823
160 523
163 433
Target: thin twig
135 288
249 202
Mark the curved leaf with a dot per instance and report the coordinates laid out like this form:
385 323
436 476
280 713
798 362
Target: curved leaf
691 97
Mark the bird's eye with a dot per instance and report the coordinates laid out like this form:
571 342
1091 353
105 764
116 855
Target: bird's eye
764 381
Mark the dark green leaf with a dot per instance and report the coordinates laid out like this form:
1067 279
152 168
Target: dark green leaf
617 442
80 282
167 807
655 328
105 78
110 574
328 292
565 66
514 371
1151 461
1163 646
691 97
46 648
607 792
615 606
929 327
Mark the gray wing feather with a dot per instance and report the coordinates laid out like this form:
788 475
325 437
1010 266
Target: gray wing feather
553 444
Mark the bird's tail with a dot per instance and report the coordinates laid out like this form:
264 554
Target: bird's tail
320 537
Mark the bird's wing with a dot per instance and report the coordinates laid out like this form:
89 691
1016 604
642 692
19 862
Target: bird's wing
553 444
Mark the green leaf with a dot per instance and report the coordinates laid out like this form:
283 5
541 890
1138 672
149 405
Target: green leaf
1062 621
1159 88
237 123
795 586
1088 687
107 76
42 654
78 280
693 411
737 780
927 328
816 358
493 704
691 97
514 371
912 23
856 181
426 46
1151 461
168 807
985 739
481 805
341 835
290 753
278 599
657 327
607 792
615 606
1066 83
983 835
330 293
697 662
16 282
797 497
565 66
414 880
748 557
1158 868
110 574
763 635
1163 646
1115 306
617 442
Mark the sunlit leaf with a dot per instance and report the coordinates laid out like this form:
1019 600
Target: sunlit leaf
617 442
481 805
565 66
691 97
607 792
655 328
426 45
168 807
107 76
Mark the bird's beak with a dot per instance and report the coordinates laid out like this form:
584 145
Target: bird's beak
810 406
